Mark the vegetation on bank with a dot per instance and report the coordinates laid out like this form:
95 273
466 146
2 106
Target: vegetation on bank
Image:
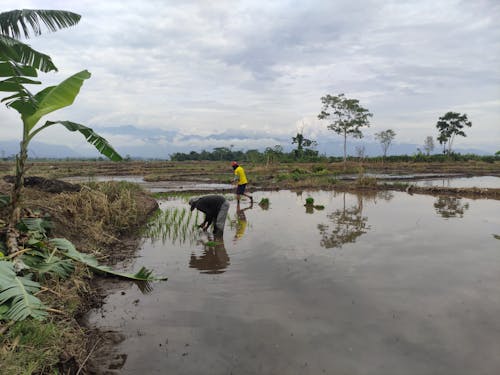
98 219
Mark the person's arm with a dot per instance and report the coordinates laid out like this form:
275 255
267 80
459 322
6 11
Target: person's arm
236 178
202 225
209 219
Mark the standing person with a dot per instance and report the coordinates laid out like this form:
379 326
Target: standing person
215 208
240 179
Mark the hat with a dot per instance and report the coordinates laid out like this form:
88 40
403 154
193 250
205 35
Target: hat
233 164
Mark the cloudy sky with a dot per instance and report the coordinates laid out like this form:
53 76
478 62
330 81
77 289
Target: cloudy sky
256 70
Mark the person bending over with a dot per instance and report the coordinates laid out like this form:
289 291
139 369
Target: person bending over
215 208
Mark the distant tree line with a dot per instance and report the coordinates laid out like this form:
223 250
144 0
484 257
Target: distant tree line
276 154
269 155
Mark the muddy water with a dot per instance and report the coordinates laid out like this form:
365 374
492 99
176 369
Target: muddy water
462 182
381 284
153 186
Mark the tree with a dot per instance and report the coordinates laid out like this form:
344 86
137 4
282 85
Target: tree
301 143
18 72
385 138
346 116
449 126
273 153
428 145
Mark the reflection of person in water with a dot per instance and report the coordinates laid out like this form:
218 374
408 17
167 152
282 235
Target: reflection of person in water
215 208
241 220
213 260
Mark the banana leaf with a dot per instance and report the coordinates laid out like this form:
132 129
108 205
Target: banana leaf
69 250
17 292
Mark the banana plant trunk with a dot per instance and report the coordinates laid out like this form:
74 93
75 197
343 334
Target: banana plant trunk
16 194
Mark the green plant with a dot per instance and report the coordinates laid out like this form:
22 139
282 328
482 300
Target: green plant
346 117
173 223
264 201
309 201
38 346
44 258
19 71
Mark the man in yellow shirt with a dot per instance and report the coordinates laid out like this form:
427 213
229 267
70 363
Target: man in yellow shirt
240 179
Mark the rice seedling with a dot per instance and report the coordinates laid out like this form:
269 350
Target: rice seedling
309 201
174 224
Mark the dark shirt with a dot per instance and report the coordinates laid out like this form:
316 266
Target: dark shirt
210 205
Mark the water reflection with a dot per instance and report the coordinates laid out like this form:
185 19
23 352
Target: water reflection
385 195
241 220
448 207
348 224
214 259
144 286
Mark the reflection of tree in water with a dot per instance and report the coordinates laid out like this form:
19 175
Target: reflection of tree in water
348 225
386 195
213 260
450 207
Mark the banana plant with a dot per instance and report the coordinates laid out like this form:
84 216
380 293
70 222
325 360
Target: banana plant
15 24
32 108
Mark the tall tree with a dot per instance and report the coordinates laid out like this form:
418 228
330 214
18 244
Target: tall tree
302 144
385 138
449 126
428 145
346 117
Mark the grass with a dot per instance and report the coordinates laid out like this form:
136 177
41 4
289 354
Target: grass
30 347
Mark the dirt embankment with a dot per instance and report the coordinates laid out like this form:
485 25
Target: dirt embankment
103 220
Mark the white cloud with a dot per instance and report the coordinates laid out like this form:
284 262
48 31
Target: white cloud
208 67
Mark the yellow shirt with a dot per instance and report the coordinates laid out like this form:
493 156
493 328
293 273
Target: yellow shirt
240 174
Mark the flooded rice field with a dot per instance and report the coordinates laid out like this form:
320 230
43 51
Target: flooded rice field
424 179
156 186
382 284
462 182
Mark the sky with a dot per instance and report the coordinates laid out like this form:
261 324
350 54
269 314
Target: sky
249 74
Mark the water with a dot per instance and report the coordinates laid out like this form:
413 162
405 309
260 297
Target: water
462 182
153 186
427 179
382 284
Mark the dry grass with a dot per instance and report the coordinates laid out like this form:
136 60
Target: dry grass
96 219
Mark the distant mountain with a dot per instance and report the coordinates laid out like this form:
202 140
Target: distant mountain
38 150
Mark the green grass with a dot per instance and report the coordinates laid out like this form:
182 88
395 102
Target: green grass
30 346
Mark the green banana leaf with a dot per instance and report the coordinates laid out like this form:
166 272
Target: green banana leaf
18 23
100 143
55 97
17 292
69 250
